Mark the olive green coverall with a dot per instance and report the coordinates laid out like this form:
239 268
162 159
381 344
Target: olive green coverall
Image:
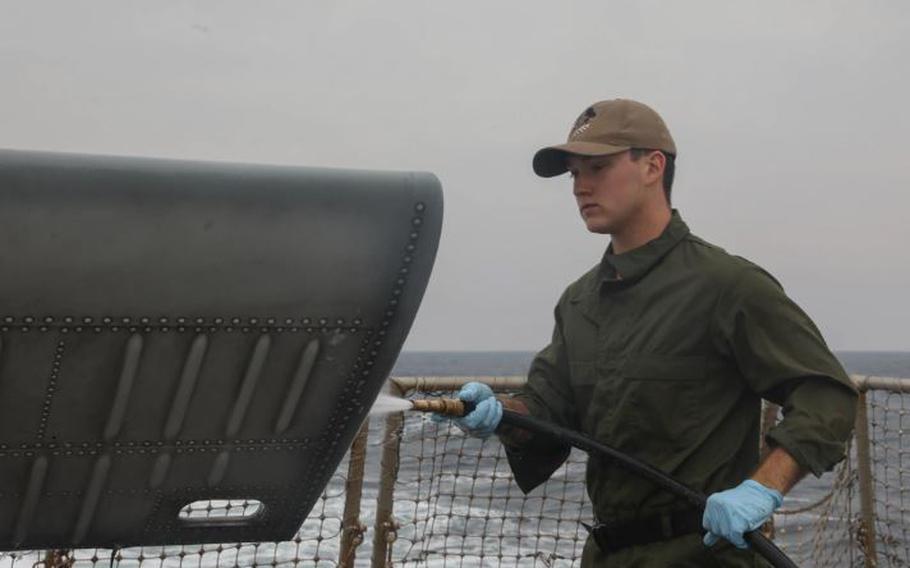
665 352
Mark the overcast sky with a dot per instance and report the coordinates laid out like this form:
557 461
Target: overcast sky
791 120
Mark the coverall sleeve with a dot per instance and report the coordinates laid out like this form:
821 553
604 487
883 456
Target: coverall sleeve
783 357
547 396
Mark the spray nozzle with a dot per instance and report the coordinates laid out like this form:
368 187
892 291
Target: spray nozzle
453 407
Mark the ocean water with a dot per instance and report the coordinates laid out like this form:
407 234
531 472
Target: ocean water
496 363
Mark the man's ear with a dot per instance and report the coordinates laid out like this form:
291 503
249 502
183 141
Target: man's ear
656 163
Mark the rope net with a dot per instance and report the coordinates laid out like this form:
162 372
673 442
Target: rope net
889 421
455 504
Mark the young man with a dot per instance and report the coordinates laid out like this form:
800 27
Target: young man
664 350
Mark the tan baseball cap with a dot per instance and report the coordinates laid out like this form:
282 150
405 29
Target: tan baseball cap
604 128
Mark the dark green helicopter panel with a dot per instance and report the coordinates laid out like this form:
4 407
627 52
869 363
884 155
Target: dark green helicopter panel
177 331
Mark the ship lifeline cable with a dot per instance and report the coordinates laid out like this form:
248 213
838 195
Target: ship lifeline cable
455 407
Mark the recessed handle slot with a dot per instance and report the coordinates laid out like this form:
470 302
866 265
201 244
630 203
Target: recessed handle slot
221 512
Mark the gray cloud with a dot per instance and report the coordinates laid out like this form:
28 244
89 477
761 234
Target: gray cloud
790 118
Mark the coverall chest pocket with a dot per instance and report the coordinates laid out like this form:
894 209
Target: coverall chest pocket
663 394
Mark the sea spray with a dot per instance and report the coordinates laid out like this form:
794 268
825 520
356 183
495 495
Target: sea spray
386 403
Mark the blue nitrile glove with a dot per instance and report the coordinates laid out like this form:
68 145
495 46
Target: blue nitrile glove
483 420
744 508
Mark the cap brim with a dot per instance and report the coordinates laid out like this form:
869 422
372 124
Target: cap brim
551 161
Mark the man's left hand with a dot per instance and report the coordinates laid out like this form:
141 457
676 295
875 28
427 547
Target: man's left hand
730 514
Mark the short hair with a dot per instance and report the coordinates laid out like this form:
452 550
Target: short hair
669 167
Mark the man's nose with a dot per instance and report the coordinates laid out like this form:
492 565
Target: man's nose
580 186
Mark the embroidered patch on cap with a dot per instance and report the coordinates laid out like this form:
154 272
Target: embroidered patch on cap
583 122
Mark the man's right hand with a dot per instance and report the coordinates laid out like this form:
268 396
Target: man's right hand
484 418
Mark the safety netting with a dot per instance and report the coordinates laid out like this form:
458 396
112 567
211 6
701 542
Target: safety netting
454 503
889 429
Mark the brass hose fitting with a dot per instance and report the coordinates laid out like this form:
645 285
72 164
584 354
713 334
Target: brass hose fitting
447 406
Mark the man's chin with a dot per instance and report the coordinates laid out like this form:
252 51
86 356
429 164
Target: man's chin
599 227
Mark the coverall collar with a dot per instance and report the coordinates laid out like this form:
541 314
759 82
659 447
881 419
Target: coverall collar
632 265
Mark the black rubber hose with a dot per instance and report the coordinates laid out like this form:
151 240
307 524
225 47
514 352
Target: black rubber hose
759 542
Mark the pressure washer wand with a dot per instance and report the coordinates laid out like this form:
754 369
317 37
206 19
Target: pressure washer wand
454 407
457 408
